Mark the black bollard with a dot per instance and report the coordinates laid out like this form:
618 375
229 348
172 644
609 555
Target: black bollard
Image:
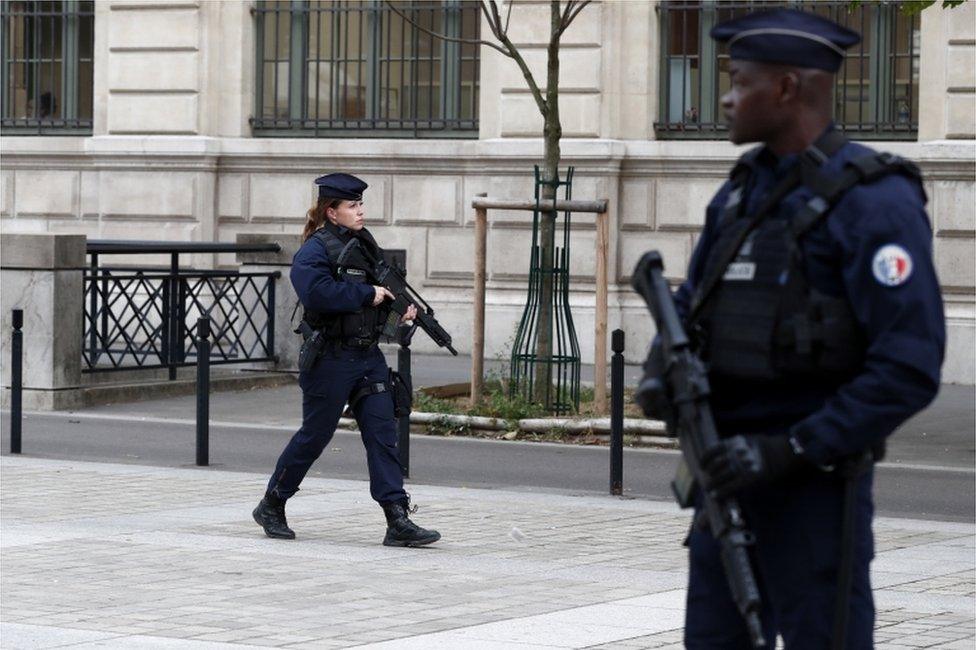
16 380
617 413
203 391
404 335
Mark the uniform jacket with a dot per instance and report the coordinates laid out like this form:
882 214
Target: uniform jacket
313 276
903 323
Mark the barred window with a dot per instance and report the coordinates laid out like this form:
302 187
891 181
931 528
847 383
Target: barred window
875 92
355 67
46 64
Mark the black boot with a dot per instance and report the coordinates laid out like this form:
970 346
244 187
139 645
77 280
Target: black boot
270 515
400 531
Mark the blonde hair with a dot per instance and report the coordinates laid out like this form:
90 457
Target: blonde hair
316 216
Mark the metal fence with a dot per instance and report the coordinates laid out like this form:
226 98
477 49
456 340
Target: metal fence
875 92
144 317
46 66
357 67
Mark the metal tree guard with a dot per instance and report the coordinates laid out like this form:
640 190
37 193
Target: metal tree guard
558 371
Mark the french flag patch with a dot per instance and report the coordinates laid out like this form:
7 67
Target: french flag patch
892 265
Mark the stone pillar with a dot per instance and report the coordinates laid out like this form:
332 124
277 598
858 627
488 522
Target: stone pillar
947 78
287 342
42 274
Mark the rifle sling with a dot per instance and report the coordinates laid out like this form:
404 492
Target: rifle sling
784 187
812 157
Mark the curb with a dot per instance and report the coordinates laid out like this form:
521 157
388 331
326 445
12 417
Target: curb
538 425
649 432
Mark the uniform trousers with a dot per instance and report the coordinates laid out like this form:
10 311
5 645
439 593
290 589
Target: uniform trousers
326 388
797 526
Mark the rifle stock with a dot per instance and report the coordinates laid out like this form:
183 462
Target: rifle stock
353 254
687 382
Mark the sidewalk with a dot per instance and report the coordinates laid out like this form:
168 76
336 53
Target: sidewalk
123 556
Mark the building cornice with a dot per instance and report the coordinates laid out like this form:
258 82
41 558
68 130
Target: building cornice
939 160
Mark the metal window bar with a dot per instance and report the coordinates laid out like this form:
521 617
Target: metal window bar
40 56
374 59
875 95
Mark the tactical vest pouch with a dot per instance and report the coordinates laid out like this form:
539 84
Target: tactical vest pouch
741 318
773 325
359 328
821 337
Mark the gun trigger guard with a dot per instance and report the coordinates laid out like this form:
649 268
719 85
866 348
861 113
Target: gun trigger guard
400 305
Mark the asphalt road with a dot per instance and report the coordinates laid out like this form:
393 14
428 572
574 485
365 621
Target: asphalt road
921 490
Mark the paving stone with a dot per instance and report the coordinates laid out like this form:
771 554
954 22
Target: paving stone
186 568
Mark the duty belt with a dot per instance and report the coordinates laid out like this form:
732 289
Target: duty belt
357 343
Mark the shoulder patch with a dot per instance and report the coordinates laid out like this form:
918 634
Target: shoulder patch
892 265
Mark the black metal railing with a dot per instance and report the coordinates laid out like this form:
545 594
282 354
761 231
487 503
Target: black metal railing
143 317
875 91
357 67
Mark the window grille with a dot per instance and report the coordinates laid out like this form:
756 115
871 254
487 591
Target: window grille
46 65
875 92
355 67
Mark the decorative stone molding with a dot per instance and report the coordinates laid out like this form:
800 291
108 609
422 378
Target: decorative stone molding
657 190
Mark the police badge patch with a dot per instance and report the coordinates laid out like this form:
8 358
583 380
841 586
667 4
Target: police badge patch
892 265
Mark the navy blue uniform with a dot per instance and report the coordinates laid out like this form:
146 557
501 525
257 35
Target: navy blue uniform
331 382
875 249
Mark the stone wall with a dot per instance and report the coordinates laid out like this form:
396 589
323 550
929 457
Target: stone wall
171 157
420 200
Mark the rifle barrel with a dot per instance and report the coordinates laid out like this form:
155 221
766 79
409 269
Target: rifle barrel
687 380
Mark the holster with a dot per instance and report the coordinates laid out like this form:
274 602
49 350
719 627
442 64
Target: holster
402 394
311 347
396 386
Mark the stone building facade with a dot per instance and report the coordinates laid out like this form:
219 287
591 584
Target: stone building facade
172 154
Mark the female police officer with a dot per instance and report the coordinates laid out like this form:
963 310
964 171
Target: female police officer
349 314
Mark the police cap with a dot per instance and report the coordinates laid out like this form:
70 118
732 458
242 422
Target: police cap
787 36
340 186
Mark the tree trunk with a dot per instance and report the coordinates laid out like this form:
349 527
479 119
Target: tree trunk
552 132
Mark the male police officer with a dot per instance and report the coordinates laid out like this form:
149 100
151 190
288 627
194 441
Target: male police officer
813 297
347 314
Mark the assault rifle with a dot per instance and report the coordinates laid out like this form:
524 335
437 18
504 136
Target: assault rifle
686 381
355 255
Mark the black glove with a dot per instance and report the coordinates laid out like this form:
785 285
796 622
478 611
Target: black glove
652 394
742 461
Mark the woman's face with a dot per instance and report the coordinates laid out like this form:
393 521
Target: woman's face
348 214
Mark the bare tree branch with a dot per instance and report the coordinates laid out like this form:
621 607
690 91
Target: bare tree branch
490 10
570 17
508 16
568 10
495 20
444 37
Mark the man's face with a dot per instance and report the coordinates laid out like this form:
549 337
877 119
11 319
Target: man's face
752 108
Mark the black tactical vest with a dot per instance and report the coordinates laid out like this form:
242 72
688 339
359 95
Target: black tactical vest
761 319
361 328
